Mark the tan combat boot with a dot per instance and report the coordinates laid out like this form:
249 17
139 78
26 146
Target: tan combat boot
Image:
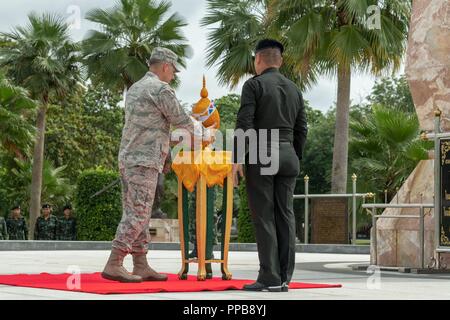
114 269
142 269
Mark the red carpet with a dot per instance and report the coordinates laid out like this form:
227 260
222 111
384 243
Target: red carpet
94 283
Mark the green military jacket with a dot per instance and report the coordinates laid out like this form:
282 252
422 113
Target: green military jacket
3 229
67 229
17 229
46 229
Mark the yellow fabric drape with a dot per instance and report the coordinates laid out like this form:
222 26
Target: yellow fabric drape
213 165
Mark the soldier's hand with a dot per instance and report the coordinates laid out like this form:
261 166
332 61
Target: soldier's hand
237 171
167 164
209 135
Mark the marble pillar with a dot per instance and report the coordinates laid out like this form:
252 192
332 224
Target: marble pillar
428 74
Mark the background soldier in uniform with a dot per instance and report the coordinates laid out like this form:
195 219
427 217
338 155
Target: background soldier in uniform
3 229
192 198
150 108
46 225
67 225
271 101
17 226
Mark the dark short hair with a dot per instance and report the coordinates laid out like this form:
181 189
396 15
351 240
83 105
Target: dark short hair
68 206
269 43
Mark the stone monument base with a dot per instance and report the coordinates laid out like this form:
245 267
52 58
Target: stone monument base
398 239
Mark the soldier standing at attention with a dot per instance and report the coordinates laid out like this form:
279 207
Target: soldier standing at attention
67 225
270 101
3 229
151 107
17 226
46 225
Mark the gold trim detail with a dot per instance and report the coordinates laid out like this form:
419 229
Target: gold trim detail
444 240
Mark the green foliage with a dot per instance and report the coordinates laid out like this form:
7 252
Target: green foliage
230 44
385 148
169 203
228 107
85 132
42 57
15 182
116 56
98 217
17 134
246 232
393 92
318 153
320 36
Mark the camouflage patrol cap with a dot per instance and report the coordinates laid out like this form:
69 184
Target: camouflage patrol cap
14 207
160 54
46 206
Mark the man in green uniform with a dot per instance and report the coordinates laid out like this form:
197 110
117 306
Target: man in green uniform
46 225
3 229
271 104
67 225
17 226
192 198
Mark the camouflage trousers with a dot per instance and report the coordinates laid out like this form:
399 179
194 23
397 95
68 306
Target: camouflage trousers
138 192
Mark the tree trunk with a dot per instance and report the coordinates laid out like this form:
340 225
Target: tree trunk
340 149
38 163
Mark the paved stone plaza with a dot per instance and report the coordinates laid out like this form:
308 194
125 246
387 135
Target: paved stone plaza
311 267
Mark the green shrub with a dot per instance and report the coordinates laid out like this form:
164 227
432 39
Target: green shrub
246 232
97 217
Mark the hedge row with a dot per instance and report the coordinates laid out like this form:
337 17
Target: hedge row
99 216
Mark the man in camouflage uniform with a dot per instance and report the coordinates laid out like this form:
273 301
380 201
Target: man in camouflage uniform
17 226
3 229
150 108
46 225
67 225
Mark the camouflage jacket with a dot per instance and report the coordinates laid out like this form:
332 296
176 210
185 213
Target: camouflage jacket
150 108
46 229
3 229
67 229
17 229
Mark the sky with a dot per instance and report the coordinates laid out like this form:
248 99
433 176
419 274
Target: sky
322 96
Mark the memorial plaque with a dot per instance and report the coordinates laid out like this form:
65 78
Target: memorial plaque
445 194
329 217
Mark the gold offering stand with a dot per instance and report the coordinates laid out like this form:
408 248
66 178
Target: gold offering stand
204 176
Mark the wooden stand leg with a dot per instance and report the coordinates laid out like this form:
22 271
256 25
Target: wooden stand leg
209 230
183 224
201 227
226 275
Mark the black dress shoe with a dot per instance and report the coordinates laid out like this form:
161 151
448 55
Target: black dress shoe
284 287
257 286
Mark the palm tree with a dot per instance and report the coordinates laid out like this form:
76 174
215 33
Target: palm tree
239 24
16 134
385 148
42 58
328 37
116 56
56 189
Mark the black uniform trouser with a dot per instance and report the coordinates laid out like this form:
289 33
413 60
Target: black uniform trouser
270 200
